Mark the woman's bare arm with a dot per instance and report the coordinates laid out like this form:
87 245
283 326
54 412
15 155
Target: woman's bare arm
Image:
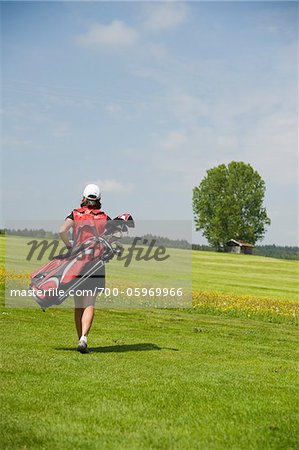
63 232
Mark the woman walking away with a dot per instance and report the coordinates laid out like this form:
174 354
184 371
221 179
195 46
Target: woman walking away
86 222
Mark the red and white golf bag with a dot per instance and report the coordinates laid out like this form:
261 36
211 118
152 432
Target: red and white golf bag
95 243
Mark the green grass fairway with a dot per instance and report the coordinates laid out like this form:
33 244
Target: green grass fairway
221 272
154 380
158 379
227 284
245 275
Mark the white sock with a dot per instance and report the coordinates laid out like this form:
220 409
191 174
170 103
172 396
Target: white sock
83 338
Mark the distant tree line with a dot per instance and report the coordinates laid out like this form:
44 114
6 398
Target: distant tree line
272 251
204 248
277 251
39 233
146 239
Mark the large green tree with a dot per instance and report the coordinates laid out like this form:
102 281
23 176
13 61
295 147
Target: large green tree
228 204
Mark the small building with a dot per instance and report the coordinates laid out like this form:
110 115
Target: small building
236 246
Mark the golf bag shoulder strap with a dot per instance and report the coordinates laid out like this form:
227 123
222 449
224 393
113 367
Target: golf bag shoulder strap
88 222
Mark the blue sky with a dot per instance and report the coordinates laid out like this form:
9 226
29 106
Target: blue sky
143 98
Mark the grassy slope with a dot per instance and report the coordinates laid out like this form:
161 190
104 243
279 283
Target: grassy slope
245 274
229 273
155 379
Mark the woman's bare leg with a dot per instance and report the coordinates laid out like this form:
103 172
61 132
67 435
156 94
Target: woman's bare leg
84 313
78 320
87 319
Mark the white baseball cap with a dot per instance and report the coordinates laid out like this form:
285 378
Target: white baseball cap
92 192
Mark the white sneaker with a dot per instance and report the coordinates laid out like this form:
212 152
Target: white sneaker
82 346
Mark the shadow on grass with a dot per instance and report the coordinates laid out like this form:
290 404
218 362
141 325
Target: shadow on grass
121 348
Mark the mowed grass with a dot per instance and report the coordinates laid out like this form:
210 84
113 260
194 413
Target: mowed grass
245 275
226 284
245 286
209 271
154 380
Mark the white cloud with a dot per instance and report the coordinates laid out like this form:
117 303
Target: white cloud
157 51
61 130
113 108
19 144
173 140
15 142
188 108
164 16
272 147
117 34
111 185
227 142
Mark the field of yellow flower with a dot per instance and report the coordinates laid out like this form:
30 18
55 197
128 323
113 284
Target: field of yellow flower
8 274
215 302
280 310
